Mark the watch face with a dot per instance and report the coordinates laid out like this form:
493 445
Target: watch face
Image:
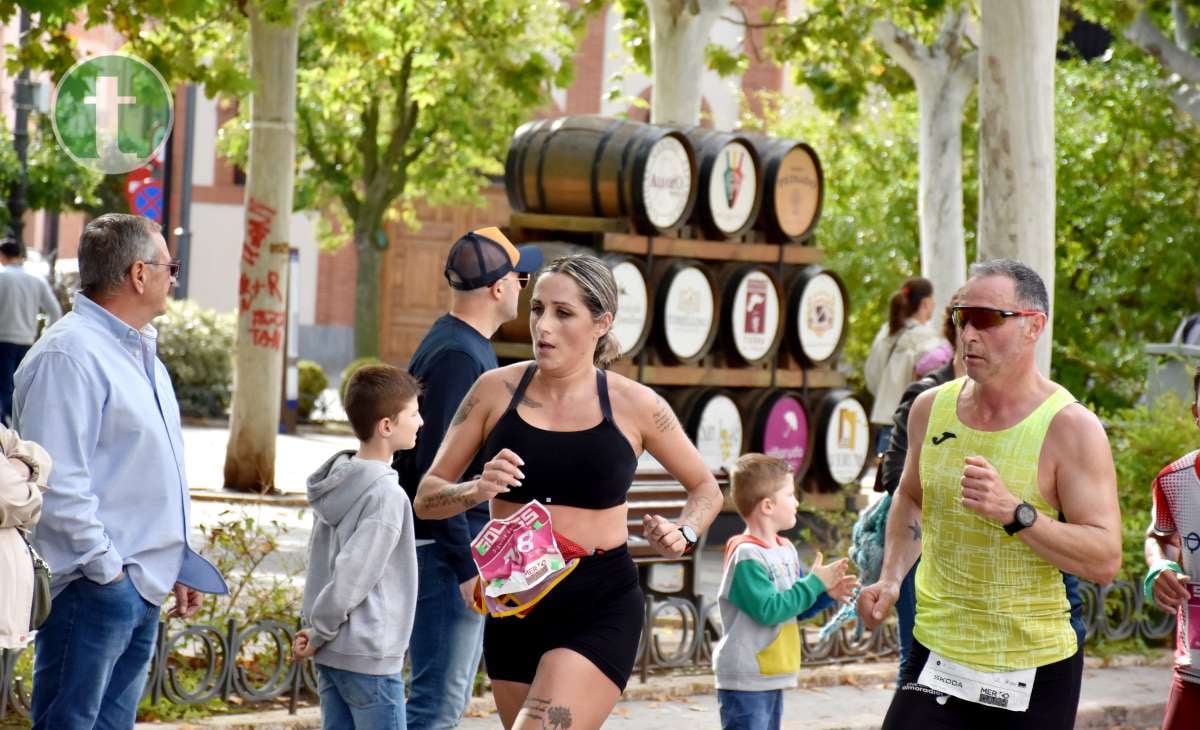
688 534
1026 514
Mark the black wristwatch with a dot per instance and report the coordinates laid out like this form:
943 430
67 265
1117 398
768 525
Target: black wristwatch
1023 516
689 536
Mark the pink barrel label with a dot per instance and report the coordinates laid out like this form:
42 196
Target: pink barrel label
785 435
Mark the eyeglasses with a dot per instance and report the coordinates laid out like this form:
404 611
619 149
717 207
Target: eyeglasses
985 318
522 279
174 265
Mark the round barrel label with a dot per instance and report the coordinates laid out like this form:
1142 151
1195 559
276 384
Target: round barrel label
689 312
797 192
732 187
785 435
631 306
719 432
667 183
846 441
821 317
755 315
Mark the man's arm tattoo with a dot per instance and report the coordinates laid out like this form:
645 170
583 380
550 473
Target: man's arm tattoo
664 417
525 400
465 408
916 529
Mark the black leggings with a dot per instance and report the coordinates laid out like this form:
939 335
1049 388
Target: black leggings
1052 705
596 611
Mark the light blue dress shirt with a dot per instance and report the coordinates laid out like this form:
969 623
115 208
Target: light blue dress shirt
94 394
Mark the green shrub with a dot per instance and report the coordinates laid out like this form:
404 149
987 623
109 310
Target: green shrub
349 370
313 382
196 345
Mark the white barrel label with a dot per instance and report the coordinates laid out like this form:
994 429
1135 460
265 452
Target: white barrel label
719 432
846 441
821 317
667 183
755 315
689 312
632 300
732 187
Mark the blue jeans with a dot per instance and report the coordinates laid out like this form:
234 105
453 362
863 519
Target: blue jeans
742 710
906 613
91 657
883 439
446 646
352 700
10 357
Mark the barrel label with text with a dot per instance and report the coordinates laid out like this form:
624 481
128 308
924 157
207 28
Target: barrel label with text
632 312
821 317
732 187
689 312
797 192
786 433
719 432
846 441
667 184
755 315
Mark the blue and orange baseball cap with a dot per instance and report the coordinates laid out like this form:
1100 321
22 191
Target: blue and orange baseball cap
483 256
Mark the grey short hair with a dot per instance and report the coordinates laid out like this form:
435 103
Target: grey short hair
599 289
1031 290
109 246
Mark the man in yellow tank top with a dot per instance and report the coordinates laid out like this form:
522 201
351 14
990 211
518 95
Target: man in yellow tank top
1008 485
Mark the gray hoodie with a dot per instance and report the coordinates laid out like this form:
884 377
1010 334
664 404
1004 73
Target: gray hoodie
361 590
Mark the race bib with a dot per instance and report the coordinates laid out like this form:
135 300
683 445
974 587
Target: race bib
518 560
1006 690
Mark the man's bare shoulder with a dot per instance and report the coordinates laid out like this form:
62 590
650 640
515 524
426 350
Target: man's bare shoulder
1076 432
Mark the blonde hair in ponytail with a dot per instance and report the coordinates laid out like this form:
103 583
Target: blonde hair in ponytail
598 289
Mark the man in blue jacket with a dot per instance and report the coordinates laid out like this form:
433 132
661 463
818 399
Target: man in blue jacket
486 273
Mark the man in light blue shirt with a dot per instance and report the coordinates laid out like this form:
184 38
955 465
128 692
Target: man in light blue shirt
114 523
22 296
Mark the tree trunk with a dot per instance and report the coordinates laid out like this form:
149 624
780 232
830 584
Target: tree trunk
262 310
1016 139
366 295
679 31
944 74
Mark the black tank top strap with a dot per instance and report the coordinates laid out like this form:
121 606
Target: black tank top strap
602 389
520 391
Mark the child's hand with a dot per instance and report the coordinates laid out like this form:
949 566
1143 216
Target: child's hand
302 647
829 574
842 590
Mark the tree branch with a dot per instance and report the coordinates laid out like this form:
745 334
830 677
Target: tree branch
1185 33
1146 35
405 115
900 47
368 142
328 169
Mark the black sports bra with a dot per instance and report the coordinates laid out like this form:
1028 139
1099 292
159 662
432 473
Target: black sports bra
592 469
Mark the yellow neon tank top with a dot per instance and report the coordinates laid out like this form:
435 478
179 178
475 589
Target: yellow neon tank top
985 599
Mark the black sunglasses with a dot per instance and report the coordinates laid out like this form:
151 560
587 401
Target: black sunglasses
985 318
174 266
523 279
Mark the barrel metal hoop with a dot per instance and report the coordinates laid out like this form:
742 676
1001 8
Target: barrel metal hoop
622 208
541 189
597 206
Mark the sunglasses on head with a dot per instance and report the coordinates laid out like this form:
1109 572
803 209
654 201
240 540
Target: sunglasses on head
984 318
174 266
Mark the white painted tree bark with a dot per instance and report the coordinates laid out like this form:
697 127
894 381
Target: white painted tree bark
1016 139
263 280
1174 55
679 32
944 73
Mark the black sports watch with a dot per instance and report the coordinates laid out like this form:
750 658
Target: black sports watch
1023 516
689 536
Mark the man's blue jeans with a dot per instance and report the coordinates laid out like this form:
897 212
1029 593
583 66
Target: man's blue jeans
446 646
351 700
91 657
10 357
741 710
906 613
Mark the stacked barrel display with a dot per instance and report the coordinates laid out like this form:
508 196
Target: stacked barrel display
723 306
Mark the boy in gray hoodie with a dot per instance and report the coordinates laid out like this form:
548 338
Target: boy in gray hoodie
360 593
763 591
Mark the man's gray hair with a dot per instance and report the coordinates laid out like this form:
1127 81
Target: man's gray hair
109 246
1031 290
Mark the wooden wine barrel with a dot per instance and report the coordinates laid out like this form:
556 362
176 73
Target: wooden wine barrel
818 311
777 424
842 440
793 189
751 321
517 330
595 166
712 420
686 308
730 187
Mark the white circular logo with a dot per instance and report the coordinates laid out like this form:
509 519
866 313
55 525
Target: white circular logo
821 317
732 187
755 315
689 312
846 438
667 183
631 305
719 433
